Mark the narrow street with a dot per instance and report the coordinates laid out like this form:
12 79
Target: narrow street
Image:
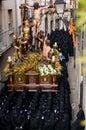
45 86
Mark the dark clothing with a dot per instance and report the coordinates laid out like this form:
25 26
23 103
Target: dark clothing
76 124
64 42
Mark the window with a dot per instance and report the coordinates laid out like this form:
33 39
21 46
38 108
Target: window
46 25
10 17
57 24
51 25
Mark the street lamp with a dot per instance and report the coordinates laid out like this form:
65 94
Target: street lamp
59 6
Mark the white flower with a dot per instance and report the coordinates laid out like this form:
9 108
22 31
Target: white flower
46 70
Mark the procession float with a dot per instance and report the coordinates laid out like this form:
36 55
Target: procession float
35 65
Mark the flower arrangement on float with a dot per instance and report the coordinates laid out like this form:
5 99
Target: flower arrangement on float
47 70
34 62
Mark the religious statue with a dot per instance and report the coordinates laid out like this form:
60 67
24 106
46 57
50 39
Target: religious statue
17 46
37 15
46 48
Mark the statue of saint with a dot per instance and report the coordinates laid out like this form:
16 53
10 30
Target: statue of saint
37 15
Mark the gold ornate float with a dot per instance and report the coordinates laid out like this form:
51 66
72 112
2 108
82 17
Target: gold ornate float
33 73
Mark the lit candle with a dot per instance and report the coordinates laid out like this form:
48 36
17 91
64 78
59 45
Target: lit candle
53 58
55 44
9 59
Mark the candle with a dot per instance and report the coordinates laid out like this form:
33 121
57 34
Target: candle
55 44
9 59
53 58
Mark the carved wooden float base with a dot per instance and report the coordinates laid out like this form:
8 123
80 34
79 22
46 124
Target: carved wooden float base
32 81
